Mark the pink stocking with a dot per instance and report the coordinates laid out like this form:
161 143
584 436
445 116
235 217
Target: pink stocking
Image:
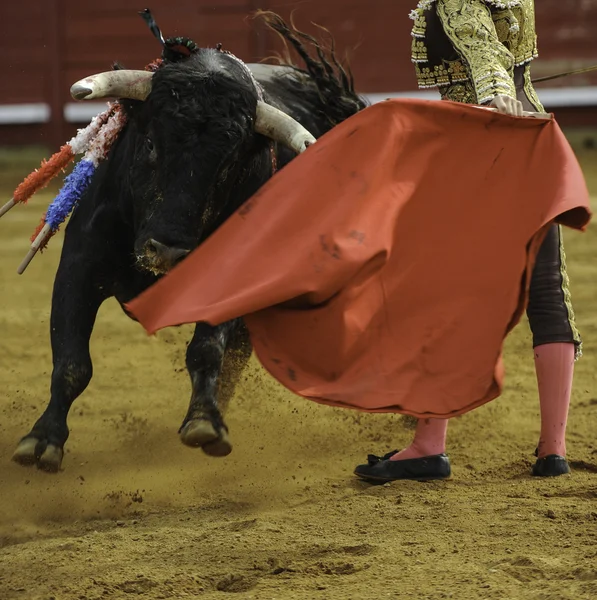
430 439
554 365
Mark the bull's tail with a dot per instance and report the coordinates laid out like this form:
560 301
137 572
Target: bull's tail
334 82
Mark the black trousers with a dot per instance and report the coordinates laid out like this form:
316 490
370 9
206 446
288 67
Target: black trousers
549 311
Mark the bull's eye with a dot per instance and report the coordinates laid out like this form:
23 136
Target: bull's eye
149 144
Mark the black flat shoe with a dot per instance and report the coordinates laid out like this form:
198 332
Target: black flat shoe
551 465
379 469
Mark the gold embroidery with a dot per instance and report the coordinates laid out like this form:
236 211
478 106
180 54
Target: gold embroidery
490 37
506 4
459 92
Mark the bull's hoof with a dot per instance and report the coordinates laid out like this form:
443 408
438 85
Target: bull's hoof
31 451
220 447
25 454
200 433
51 460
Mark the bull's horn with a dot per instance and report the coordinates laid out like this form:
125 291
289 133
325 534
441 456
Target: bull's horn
279 126
135 85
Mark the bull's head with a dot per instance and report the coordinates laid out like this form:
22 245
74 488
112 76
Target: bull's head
192 147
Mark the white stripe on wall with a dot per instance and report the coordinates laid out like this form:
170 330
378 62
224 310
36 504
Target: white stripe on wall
24 114
83 112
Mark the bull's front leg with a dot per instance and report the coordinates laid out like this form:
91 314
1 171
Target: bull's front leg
216 357
75 303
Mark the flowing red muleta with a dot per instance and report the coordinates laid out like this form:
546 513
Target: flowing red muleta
382 269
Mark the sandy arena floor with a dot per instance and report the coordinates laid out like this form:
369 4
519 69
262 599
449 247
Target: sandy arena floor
137 514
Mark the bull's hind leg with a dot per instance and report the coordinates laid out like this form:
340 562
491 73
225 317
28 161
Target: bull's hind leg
216 357
75 302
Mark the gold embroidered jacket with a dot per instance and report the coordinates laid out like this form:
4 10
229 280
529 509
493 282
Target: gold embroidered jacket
469 49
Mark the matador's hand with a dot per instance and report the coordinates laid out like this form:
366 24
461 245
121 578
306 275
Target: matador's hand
507 105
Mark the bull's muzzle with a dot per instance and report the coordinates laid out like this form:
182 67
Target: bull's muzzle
159 258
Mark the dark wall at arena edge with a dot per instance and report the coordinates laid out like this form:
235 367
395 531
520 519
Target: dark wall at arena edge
48 44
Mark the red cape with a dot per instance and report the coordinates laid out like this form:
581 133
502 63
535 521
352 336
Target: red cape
382 269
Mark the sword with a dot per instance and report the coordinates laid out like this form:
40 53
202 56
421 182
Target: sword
558 75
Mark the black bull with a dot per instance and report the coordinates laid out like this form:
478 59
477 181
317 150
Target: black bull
187 158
